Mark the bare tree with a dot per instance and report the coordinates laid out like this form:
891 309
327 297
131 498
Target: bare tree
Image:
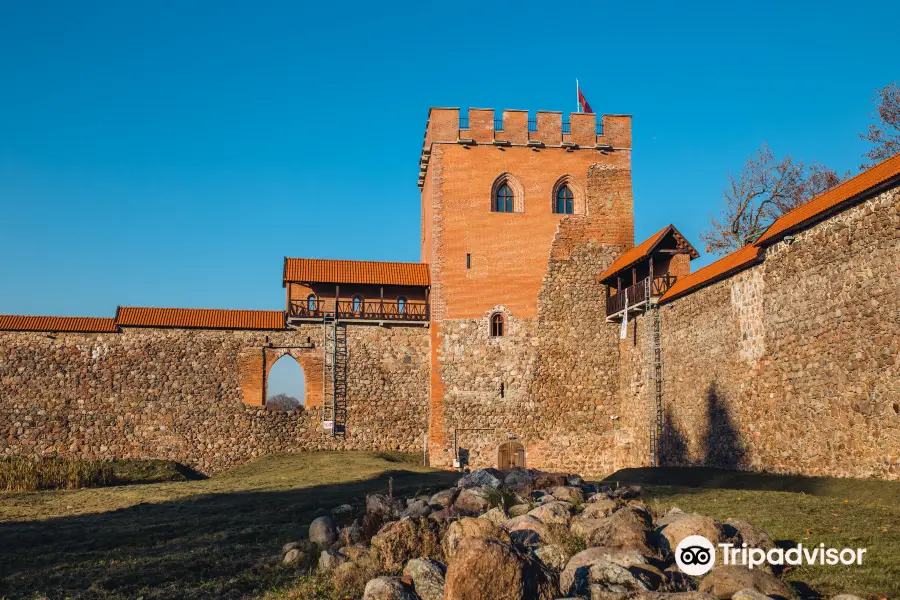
283 403
765 189
885 133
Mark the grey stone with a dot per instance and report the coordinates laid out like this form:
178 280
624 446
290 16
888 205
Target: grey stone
427 576
323 532
387 588
480 478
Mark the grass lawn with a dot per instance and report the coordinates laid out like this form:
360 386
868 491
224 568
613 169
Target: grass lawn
214 538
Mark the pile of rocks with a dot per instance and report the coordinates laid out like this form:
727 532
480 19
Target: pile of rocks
525 534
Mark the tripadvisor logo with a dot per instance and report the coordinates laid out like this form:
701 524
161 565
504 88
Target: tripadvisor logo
696 555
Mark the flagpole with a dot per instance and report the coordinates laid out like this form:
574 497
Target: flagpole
577 100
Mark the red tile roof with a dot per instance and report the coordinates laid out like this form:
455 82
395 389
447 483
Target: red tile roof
203 318
58 324
641 251
850 189
726 266
316 270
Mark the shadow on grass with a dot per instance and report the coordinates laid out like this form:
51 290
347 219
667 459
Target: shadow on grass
863 490
206 546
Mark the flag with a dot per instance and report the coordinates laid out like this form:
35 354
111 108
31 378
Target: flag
583 103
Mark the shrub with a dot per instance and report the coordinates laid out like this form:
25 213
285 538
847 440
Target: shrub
502 498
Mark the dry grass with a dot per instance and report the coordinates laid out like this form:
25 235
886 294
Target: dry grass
32 474
213 538
217 538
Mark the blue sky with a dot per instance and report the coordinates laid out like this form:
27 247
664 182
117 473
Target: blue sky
171 153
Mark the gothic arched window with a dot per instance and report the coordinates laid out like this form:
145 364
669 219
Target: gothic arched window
564 204
311 303
503 201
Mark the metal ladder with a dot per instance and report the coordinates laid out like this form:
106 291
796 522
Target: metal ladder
654 383
334 379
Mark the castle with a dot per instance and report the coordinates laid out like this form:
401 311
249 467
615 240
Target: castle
534 331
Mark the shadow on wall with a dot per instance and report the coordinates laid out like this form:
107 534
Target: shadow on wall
721 440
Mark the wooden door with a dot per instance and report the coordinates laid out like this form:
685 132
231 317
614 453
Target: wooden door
511 455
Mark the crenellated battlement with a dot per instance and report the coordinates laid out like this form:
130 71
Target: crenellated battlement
546 129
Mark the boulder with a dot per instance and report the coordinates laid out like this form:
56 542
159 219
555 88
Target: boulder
387 588
725 581
552 556
486 568
470 527
567 494
400 541
495 516
574 480
626 492
343 514
451 513
846 597
608 577
526 530
580 564
379 504
600 508
289 546
553 512
419 508
444 498
519 480
329 560
544 481
518 510
323 532
747 533
671 516
359 554
427 576
669 536
351 534
750 594
472 501
625 528
480 478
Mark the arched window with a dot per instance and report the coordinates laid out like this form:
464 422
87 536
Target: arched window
286 385
312 303
401 305
357 303
496 325
564 201
503 202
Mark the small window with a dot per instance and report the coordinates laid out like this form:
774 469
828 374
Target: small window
311 303
468 261
401 305
504 200
496 325
564 201
357 303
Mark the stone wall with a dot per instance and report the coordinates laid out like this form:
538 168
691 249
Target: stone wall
790 366
185 394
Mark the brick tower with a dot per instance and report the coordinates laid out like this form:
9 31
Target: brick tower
519 216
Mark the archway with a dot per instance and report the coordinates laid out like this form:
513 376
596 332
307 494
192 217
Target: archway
511 455
286 385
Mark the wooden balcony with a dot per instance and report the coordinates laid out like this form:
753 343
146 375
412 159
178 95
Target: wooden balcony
639 297
371 311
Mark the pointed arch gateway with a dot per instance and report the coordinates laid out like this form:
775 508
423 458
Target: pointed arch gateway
507 194
286 385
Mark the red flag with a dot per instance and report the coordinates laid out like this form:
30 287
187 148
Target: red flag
582 101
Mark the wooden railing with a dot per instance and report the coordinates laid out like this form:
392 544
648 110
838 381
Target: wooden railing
637 293
371 310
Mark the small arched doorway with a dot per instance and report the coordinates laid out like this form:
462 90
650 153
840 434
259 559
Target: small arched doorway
286 385
511 455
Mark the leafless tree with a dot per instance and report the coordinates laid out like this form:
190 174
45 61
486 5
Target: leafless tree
765 189
283 403
885 132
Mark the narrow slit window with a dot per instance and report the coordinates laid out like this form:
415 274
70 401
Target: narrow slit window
468 261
